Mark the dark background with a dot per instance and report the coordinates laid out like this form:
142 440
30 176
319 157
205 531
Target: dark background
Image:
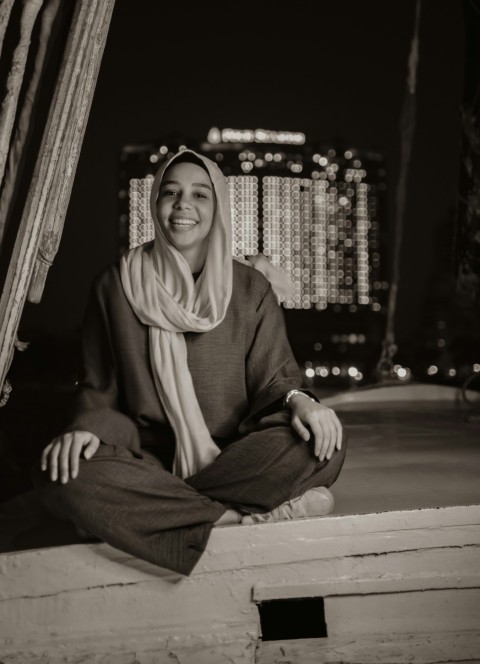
333 70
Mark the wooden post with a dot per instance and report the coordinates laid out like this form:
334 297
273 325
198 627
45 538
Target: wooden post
17 145
69 128
56 164
15 79
5 11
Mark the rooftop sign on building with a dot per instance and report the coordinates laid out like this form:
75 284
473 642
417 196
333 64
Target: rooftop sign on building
216 136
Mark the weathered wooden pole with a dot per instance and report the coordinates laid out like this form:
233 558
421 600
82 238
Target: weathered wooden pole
68 128
5 11
18 142
55 168
15 79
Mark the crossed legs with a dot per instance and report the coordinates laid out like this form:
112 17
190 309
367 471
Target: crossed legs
130 501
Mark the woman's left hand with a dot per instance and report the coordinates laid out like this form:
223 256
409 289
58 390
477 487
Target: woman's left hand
320 420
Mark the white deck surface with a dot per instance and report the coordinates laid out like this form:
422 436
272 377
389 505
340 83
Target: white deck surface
398 566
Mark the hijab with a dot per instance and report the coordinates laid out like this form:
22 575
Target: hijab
164 295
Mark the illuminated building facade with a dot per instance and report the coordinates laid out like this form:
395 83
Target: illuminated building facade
315 211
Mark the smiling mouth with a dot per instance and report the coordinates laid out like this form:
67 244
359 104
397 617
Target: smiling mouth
183 223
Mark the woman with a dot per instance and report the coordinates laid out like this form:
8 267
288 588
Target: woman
189 413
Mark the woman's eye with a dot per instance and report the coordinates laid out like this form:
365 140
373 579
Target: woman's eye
169 192
200 195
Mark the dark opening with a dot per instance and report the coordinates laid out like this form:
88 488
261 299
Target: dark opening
300 618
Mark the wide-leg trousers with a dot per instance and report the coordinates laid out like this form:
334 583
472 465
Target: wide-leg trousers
129 500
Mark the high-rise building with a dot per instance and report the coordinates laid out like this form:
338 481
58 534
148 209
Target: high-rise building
315 211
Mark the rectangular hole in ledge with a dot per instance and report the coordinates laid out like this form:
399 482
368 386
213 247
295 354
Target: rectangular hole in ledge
300 618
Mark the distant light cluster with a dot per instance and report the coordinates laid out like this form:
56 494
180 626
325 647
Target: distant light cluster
321 232
313 211
140 228
243 192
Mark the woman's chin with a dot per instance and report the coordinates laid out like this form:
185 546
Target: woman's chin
184 236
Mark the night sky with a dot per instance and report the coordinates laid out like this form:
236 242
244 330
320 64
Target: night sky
334 70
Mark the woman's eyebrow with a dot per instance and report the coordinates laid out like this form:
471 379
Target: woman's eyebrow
194 184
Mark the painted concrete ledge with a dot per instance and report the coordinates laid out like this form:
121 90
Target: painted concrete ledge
387 578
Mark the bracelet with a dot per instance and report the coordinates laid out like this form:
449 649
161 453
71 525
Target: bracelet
292 393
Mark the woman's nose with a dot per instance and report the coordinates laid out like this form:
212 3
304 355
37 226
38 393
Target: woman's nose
182 202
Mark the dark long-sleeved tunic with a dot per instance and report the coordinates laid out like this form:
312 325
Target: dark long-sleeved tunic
241 369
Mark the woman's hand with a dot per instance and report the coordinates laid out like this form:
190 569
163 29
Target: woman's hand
61 456
320 420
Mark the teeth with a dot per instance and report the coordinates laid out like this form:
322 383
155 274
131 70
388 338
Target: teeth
183 222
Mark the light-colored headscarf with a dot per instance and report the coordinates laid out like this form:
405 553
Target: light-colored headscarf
159 286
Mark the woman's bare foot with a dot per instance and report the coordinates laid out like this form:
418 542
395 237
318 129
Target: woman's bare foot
228 518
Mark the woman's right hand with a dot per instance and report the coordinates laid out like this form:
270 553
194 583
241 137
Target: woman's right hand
62 456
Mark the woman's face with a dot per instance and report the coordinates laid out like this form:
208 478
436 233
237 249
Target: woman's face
185 208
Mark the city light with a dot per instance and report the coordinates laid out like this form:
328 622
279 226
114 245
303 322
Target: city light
140 229
320 233
243 192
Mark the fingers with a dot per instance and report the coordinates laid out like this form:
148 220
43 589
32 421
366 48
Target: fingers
50 457
326 429
302 431
53 460
81 440
45 453
92 447
339 430
62 456
322 434
333 438
74 457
